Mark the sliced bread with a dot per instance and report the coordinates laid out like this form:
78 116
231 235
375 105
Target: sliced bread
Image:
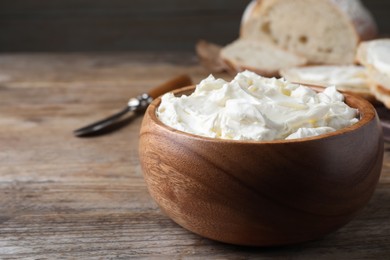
261 57
323 31
375 56
348 78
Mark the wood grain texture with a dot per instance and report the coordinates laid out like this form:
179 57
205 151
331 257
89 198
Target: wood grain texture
67 198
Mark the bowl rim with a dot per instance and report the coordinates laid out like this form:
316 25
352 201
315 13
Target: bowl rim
366 111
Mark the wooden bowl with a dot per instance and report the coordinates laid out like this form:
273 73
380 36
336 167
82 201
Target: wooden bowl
262 193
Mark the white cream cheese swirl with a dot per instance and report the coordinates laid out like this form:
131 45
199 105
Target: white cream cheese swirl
251 107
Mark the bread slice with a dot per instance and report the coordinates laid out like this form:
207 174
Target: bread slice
323 31
261 57
375 56
348 78
381 93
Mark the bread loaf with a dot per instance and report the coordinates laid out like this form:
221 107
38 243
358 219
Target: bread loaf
323 31
348 78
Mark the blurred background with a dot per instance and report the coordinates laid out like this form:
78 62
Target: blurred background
128 25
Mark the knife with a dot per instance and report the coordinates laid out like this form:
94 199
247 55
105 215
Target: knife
135 104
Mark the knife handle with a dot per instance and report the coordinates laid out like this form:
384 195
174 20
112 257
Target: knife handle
175 83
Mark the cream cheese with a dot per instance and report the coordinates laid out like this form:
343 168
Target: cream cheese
251 107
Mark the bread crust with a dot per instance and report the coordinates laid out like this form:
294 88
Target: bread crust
362 20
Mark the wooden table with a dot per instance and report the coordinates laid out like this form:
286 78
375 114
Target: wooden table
66 197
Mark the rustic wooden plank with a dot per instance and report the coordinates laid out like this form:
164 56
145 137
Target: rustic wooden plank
63 197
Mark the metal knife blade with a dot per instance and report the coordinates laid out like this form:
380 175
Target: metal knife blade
136 104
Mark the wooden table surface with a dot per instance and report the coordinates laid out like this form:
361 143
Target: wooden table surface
64 197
